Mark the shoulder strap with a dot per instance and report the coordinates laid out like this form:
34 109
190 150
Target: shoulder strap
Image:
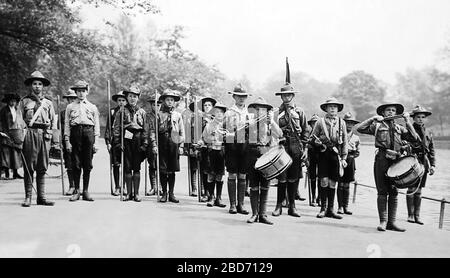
38 112
377 126
324 127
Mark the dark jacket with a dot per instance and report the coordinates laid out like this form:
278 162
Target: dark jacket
424 148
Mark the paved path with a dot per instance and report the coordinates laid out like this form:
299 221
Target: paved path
109 228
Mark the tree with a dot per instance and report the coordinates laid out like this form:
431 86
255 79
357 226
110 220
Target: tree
362 92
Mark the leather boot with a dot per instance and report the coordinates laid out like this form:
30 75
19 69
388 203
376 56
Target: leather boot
28 184
285 202
152 191
40 183
323 202
136 183
218 201
193 183
209 186
129 183
330 211
76 173
292 189
163 179
264 194
382 212
346 199
410 207
171 181
281 195
254 202
417 203
241 196
392 213
232 195
71 183
116 177
86 178
340 199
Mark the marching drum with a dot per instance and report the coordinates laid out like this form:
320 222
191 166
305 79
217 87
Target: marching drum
273 163
406 172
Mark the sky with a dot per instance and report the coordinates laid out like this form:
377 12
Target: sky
325 38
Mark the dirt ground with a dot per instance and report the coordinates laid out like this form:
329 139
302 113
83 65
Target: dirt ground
110 228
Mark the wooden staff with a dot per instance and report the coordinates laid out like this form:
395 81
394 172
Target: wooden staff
157 145
146 175
196 138
60 145
108 89
189 135
121 153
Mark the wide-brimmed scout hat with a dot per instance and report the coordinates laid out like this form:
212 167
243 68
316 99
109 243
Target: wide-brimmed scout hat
219 105
260 102
132 90
170 93
332 100
420 110
202 102
9 97
118 95
348 117
314 118
400 108
153 97
80 84
287 88
239 90
70 94
37 75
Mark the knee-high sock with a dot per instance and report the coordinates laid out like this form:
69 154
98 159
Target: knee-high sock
70 177
163 180
171 180
292 188
129 183
86 178
28 184
76 178
232 190
40 184
241 191
281 192
116 174
136 182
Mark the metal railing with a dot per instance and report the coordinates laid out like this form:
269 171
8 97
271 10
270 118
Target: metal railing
442 201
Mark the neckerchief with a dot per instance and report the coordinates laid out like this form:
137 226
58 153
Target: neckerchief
169 110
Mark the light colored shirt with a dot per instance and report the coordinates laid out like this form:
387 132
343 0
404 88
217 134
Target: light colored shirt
81 113
235 120
46 114
13 113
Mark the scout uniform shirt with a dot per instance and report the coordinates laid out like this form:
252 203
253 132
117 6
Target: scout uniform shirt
335 134
292 121
212 135
388 135
424 147
235 120
38 113
171 125
82 112
109 125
